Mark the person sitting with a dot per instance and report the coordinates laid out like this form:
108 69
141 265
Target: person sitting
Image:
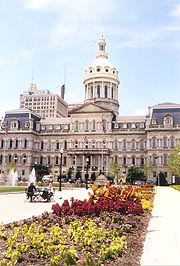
30 191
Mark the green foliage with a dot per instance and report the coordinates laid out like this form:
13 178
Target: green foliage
11 166
115 169
149 168
41 170
134 173
174 161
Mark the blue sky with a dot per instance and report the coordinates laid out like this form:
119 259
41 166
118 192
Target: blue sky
42 38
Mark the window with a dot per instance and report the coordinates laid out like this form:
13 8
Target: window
112 93
124 161
165 142
172 142
165 159
76 126
133 144
98 91
93 125
124 145
42 145
25 143
86 125
49 160
24 159
133 160
16 143
141 144
91 92
154 142
168 120
142 160
10 143
115 144
57 160
2 143
57 145
105 92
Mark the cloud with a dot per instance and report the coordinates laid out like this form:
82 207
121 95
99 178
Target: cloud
176 11
42 4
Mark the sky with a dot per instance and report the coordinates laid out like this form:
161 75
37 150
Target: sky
52 42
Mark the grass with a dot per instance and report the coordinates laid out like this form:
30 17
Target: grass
177 187
8 189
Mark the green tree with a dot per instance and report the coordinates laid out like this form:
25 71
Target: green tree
134 173
115 169
41 170
11 166
174 161
149 168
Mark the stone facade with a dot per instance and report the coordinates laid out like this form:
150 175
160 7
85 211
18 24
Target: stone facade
93 129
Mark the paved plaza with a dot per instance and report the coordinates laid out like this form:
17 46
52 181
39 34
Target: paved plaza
162 243
15 207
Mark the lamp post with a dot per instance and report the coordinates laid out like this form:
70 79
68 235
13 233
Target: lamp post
158 179
86 176
60 168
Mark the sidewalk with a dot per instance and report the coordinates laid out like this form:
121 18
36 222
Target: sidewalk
162 243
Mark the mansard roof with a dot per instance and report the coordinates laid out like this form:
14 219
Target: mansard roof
161 110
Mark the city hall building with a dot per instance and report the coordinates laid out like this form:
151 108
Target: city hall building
45 126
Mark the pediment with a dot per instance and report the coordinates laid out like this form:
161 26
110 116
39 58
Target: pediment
89 108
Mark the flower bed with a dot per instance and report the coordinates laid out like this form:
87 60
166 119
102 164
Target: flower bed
103 230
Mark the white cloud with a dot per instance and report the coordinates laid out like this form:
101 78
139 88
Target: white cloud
176 11
42 4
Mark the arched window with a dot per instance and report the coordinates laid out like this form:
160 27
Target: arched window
49 160
24 159
42 145
57 145
154 142
133 160
133 144
15 158
86 125
25 143
124 161
41 159
93 125
16 143
10 143
141 144
65 144
124 145
115 144
165 142
172 142
57 160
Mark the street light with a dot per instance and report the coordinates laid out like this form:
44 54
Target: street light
60 168
157 163
86 176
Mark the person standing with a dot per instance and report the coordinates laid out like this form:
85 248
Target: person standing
30 191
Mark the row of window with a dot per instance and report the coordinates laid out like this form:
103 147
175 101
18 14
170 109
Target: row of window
116 145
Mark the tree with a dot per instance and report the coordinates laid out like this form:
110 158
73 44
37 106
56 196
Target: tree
134 173
174 161
115 169
41 170
149 168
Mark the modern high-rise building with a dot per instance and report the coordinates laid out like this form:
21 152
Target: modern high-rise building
91 130
43 102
